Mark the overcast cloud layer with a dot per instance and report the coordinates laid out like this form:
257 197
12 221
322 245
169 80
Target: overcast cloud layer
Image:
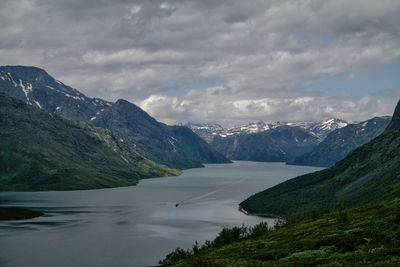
212 61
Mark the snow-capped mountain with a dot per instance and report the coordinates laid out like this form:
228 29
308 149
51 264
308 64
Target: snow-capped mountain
281 143
320 129
35 87
205 126
207 131
341 141
323 128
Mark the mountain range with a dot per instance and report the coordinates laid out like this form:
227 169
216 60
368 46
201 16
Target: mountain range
278 144
341 141
320 129
368 174
173 146
319 144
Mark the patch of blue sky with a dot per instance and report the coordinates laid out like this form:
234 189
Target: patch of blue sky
384 81
327 37
177 89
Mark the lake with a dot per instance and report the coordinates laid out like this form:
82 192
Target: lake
137 225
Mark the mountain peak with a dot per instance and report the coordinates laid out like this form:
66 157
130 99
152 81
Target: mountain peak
395 123
28 72
122 102
20 67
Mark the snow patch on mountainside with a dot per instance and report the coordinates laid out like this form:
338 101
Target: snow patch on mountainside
37 103
26 89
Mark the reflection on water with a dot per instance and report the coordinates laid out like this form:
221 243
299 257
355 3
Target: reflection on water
138 225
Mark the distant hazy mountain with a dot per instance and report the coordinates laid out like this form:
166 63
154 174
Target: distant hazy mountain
341 141
277 144
369 174
207 131
43 151
176 147
321 129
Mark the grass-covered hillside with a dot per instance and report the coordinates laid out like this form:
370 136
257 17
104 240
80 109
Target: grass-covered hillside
43 151
368 174
367 236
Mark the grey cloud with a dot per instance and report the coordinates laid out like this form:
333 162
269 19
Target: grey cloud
230 112
260 49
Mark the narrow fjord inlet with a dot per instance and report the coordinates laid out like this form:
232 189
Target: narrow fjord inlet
135 226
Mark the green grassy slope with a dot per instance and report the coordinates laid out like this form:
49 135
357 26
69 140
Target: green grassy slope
366 236
43 151
368 174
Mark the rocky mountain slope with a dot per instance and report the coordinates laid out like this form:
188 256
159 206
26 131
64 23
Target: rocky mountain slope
35 87
323 128
173 146
158 142
341 141
278 144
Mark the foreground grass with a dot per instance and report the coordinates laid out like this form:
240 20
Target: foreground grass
368 235
17 213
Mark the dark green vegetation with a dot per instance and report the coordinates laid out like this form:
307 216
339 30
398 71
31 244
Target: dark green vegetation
368 174
174 146
366 236
43 151
279 144
342 141
17 213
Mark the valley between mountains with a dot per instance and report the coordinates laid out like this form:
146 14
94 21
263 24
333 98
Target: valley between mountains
345 215
55 138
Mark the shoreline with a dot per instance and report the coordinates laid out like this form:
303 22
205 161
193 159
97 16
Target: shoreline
266 216
9 213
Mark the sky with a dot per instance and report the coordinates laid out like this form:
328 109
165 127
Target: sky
222 61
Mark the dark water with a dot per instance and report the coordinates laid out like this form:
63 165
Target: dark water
138 225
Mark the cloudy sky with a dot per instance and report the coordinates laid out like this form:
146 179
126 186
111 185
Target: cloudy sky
227 61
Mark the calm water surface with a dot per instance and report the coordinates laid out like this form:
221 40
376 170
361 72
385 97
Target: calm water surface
138 225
